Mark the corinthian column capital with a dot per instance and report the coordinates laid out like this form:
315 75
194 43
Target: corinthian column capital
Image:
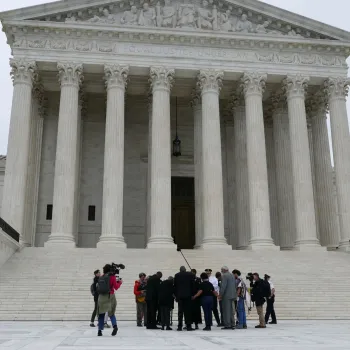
196 98
317 105
162 78
70 73
253 83
210 80
23 71
116 75
278 100
336 87
295 85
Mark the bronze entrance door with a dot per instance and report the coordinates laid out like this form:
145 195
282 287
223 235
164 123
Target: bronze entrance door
183 215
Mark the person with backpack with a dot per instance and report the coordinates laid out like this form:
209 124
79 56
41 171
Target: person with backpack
106 286
140 297
260 291
241 297
93 290
270 310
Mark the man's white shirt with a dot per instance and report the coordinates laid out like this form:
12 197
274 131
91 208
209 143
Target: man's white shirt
214 281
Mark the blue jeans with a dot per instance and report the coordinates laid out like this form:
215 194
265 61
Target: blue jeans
101 321
241 312
207 305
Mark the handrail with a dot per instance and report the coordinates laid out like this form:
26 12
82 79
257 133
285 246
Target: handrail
8 229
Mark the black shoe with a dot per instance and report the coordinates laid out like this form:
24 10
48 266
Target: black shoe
258 326
169 328
226 328
179 329
196 327
99 334
139 325
92 325
189 329
272 322
115 331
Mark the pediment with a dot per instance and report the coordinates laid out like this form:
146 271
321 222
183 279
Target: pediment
230 16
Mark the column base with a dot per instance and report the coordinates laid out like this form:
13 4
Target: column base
160 243
111 242
215 243
344 246
309 246
262 244
60 241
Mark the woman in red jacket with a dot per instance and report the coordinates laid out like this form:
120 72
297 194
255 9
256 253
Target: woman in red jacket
140 298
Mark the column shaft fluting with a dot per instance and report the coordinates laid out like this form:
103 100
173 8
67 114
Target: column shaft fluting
210 82
259 209
65 184
284 177
113 176
271 174
325 200
305 221
337 91
162 80
149 166
197 114
15 184
241 174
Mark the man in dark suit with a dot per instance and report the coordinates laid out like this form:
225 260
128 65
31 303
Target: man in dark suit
166 302
152 295
184 290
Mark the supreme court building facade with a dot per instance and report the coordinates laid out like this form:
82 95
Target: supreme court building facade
102 87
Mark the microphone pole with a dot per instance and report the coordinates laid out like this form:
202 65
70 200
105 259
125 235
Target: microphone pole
179 250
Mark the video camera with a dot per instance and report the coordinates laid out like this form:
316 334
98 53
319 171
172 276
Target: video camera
116 268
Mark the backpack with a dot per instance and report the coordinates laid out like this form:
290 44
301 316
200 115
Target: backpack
266 289
103 287
93 289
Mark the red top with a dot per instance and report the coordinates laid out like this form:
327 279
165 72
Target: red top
114 284
137 292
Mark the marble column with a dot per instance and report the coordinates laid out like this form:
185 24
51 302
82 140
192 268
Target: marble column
113 176
33 176
197 115
162 79
305 220
284 177
324 194
241 173
258 188
271 174
336 90
210 82
149 167
23 73
65 183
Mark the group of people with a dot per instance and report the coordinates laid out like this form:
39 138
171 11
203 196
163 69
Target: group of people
155 299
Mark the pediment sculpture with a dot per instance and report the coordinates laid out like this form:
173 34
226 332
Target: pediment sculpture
203 15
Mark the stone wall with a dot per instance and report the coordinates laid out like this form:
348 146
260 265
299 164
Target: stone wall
2 177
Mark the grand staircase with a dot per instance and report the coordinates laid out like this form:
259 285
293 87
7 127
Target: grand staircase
43 284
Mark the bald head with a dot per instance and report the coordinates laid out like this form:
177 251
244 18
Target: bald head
182 269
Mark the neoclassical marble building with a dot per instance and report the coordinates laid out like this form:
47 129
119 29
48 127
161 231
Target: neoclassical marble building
102 87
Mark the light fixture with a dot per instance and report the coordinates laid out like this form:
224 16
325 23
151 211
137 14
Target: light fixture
177 141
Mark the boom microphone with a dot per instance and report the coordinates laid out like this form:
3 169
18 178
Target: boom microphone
179 250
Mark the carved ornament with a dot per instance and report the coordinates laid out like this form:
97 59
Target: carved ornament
23 71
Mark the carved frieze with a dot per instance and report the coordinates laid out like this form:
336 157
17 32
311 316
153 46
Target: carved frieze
198 14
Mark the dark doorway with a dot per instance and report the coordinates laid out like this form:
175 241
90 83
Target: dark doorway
183 212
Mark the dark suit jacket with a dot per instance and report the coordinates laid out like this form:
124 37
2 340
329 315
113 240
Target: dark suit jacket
184 285
166 294
152 288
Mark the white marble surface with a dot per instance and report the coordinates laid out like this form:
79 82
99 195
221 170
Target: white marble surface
305 335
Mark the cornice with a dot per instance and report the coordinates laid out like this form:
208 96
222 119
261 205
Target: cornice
16 30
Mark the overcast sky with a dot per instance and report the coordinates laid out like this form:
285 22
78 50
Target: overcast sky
335 12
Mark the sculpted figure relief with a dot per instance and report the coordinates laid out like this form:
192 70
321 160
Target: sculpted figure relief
130 17
244 25
205 16
186 16
106 17
166 16
147 16
225 21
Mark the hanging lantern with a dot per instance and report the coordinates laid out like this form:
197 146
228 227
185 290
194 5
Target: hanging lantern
177 141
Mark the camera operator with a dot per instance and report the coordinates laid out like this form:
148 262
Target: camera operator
259 299
140 297
107 302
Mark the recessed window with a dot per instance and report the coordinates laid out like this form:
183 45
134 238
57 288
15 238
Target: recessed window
91 213
49 212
